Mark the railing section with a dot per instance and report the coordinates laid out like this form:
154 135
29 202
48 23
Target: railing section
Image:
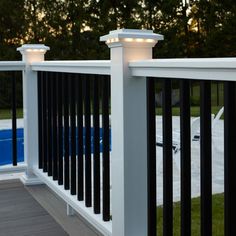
74 135
206 208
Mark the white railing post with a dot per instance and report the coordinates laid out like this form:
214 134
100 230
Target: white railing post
129 131
31 53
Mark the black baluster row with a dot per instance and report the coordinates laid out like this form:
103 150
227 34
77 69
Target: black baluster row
67 151
14 79
167 158
185 149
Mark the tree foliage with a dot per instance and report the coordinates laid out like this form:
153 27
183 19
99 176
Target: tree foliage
198 28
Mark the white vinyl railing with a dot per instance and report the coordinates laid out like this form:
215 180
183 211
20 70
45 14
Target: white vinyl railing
12 66
223 69
82 67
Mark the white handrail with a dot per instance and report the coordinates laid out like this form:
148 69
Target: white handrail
99 67
12 65
200 68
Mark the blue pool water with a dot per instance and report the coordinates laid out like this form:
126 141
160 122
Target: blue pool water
6 145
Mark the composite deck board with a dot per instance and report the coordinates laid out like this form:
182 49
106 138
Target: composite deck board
73 225
21 214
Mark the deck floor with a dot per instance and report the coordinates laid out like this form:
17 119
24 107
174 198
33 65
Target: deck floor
22 212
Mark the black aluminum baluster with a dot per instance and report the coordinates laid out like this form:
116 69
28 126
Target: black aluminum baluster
106 151
59 128
49 123
88 182
151 136
14 138
185 136
79 97
40 125
44 95
73 135
229 158
66 131
206 172
54 126
96 147
167 161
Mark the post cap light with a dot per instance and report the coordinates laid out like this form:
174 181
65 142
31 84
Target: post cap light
33 52
131 37
33 48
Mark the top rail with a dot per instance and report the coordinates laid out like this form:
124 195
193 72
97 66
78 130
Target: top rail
199 68
100 67
12 65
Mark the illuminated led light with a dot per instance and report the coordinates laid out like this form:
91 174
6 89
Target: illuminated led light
139 40
128 39
35 50
150 41
113 40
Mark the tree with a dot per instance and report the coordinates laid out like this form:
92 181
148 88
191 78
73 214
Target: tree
12 28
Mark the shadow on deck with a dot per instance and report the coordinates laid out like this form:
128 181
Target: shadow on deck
36 211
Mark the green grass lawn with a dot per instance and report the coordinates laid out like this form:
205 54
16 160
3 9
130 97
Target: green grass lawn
196 93
195 111
6 113
217 217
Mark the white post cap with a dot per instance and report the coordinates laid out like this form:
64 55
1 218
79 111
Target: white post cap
33 48
33 52
131 38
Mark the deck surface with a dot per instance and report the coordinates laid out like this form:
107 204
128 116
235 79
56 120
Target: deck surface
21 214
35 211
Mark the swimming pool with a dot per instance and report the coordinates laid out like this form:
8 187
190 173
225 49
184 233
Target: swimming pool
6 145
